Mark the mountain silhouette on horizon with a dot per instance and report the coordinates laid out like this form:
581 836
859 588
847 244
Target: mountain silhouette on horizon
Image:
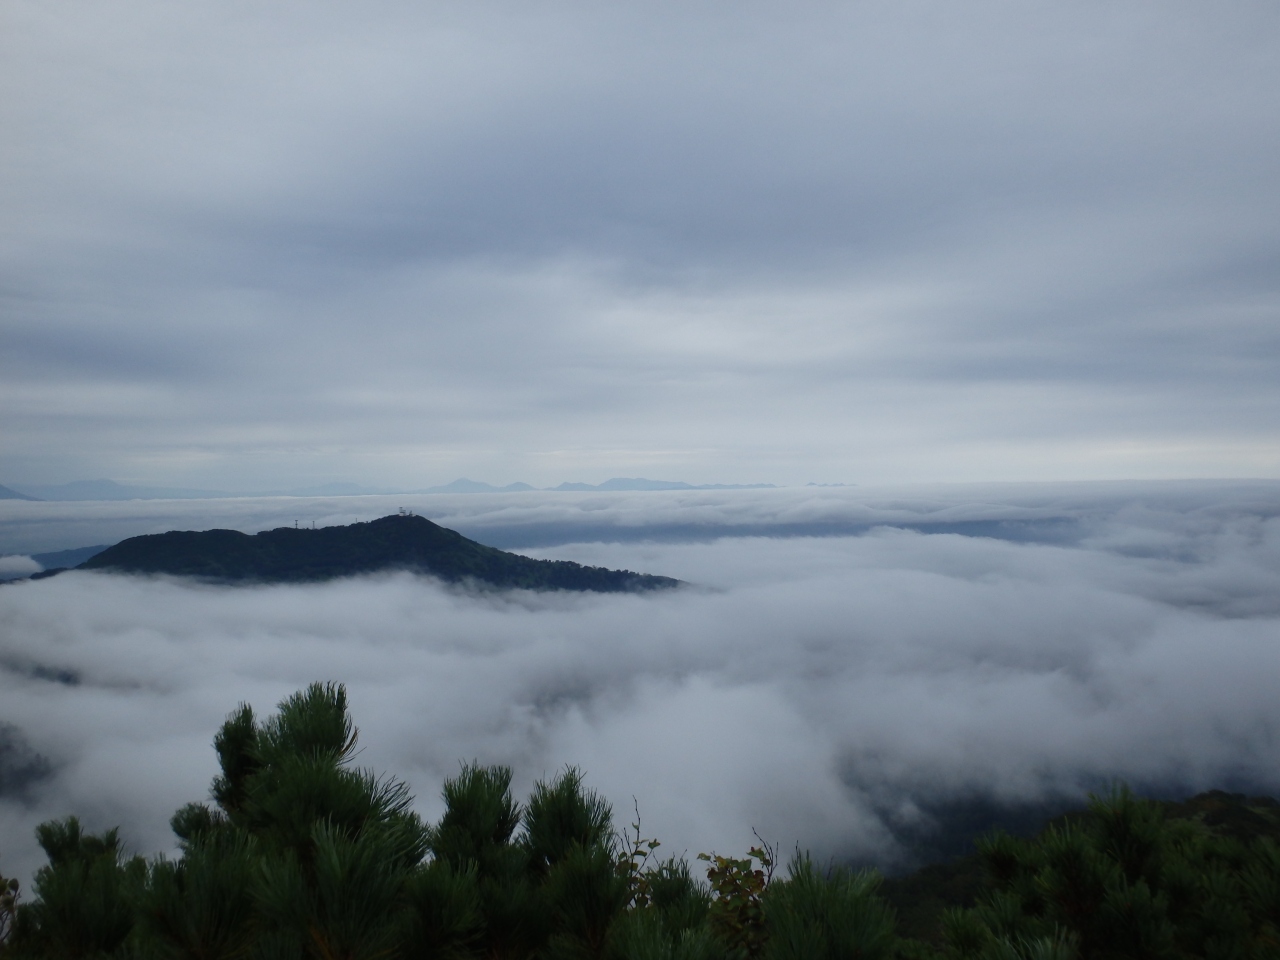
7 493
463 485
640 483
396 542
104 489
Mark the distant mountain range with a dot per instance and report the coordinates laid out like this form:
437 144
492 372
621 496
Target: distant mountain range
639 483
62 559
403 542
617 483
110 490
463 485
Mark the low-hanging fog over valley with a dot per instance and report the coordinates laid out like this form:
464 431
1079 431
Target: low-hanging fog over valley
844 670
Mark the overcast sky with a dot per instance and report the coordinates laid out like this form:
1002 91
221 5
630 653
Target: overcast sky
246 245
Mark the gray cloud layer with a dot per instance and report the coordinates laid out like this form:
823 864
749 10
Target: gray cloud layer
395 244
1054 512
827 691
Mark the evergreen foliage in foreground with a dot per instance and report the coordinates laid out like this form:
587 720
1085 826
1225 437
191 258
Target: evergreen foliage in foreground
302 855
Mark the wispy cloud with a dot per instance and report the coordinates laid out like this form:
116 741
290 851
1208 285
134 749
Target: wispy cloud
259 248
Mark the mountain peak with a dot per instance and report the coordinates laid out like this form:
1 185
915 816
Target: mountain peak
7 494
402 541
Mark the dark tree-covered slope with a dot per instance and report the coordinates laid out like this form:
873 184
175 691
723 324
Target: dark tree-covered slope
411 543
922 899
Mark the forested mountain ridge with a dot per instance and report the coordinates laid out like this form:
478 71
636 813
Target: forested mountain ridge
397 542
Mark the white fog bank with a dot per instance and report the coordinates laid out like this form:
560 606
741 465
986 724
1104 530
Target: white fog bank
827 691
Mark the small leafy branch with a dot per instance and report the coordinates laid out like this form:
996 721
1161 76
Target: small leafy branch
636 852
737 912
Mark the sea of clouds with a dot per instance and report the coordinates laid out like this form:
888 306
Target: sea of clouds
845 665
